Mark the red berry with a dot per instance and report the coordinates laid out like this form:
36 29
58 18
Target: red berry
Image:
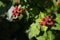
14 11
42 19
59 3
16 7
44 23
17 14
51 23
46 19
50 19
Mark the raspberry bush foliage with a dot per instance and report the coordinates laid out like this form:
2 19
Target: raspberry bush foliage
39 19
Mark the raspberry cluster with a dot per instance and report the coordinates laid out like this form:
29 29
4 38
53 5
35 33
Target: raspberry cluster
16 11
46 21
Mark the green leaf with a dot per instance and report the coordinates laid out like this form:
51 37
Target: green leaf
27 13
56 28
38 20
44 28
41 14
50 35
2 4
55 3
58 18
20 17
41 38
25 0
33 31
48 10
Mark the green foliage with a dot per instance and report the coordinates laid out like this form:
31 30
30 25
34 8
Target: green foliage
2 4
57 18
50 35
44 28
57 27
34 30
41 38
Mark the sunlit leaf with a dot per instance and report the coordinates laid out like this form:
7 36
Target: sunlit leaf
44 28
50 35
33 31
58 18
41 14
27 13
57 27
38 20
43 37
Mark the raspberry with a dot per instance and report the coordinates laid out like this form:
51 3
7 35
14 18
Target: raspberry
50 19
51 23
14 11
42 19
44 23
59 3
47 19
17 14
16 7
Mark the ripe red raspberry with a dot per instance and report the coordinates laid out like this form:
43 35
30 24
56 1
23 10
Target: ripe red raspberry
51 23
59 3
47 19
42 19
44 23
17 14
14 11
16 7
50 19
